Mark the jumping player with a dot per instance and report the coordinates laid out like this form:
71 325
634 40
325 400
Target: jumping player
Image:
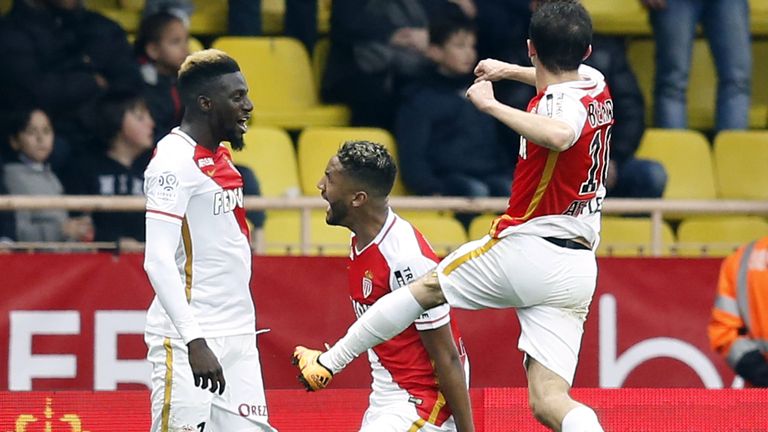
419 378
201 324
539 256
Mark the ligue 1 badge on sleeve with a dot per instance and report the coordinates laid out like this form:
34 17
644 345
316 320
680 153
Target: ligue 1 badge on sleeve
367 283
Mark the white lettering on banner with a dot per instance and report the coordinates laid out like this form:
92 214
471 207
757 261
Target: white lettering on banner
108 369
614 370
22 364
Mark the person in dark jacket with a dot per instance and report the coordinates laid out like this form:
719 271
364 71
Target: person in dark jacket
63 58
446 146
628 176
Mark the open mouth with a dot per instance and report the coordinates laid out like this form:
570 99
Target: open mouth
242 123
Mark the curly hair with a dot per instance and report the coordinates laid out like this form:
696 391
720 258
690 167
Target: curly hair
370 164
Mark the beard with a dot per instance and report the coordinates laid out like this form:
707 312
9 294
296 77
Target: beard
236 142
336 214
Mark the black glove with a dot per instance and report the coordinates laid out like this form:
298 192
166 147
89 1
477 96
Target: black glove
753 368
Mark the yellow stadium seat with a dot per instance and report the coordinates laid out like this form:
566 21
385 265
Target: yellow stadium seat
618 17
194 44
273 16
718 236
481 226
209 17
282 234
443 233
702 87
279 75
318 144
270 154
628 237
758 16
687 158
5 6
741 164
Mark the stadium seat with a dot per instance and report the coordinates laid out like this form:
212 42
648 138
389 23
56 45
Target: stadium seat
631 237
279 75
481 225
618 17
5 6
443 233
209 17
282 234
273 16
741 164
127 13
758 17
687 158
718 236
194 44
702 86
318 144
270 154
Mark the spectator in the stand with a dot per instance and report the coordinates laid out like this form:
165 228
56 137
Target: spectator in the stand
124 130
726 27
30 134
63 58
161 46
376 45
738 328
628 176
299 21
447 146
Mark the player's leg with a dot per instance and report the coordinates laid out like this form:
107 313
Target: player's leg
176 402
243 406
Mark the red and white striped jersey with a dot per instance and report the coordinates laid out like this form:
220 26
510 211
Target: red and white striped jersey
560 194
401 367
202 192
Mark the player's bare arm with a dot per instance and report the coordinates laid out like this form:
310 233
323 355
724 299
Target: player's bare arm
450 374
495 70
541 130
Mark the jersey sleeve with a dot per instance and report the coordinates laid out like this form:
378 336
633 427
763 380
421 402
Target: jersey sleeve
408 270
166 190
565 107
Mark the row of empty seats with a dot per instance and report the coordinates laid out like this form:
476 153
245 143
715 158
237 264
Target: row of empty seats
714 236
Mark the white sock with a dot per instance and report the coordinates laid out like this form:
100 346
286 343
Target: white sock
581 419
386 318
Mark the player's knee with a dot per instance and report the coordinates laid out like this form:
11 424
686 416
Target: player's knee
427 291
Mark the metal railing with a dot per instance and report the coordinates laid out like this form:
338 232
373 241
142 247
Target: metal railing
655 208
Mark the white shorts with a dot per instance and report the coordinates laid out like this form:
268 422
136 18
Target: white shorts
177 405
550 286
400 417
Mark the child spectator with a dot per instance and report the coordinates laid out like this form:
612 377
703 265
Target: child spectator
447 146
115 166
30 136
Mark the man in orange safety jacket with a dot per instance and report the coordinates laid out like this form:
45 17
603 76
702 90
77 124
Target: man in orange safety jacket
738 329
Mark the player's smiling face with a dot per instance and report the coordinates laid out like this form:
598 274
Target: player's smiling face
233 109
335 189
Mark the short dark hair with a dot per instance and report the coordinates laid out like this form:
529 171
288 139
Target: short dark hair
151 30
369 164
561 32
199 69
446 22
109 114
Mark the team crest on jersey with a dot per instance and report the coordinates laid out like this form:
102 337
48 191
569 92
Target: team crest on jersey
367 283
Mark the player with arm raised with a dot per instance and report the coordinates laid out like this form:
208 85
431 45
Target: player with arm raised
419 380
539 256
201 325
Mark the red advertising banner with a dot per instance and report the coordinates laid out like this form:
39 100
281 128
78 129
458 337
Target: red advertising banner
341 410
75 322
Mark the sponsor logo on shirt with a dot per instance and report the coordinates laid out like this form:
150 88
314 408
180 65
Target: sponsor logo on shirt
404 276
414 400
367 283
359 308
204 162
227 200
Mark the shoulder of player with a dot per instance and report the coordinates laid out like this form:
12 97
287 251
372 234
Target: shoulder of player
173 153
401 244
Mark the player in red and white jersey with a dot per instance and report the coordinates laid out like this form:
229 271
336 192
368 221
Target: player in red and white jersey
201 324
386 254
539 258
